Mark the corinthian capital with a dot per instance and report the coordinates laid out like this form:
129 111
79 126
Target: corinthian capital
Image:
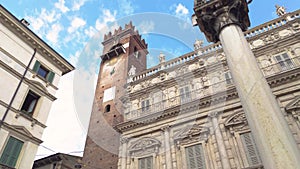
214 15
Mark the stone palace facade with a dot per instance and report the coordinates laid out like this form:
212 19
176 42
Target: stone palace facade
185 113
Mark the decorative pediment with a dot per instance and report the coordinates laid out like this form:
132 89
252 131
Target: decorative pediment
236 119
293 105
191 133
237 122
22 129
39 85
144 146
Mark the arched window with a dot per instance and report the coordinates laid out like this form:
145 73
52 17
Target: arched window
107 108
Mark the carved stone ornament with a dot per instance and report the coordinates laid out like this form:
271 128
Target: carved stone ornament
237 122
144 146
294 108
214 15
191 134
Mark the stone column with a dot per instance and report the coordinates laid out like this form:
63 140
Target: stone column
220 141
224 21
124 142
168 158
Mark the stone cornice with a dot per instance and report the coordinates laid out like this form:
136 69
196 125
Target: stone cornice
22 131
19 113
24 33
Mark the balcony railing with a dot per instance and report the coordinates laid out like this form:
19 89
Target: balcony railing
178 100
281 67
256 31
271 70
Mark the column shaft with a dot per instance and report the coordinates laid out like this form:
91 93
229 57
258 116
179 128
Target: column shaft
276 144
220 143
167 148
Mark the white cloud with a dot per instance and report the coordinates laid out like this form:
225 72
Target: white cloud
181 10
91 31
78 4
146 27
126 7
107 16
49 17
52 35
61 6
76 24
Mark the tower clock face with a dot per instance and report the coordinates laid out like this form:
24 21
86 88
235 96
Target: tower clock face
111 66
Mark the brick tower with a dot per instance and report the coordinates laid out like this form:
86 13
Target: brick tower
123 51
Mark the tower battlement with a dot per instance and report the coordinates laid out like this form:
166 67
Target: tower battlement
120 33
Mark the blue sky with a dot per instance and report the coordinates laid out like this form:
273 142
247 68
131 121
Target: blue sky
75 29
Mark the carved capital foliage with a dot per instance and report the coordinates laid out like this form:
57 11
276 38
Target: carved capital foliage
144 146
214 15
191 134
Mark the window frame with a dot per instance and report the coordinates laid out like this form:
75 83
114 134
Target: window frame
10 150
284 61
144 106
145 158
48 77
185 96
187 163
30 106
246 151
228 77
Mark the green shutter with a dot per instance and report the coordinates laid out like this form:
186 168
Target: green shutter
11 152
50 76
250 149
36 66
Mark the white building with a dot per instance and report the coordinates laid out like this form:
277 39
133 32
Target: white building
22 129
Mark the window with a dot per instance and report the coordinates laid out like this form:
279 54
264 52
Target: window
250 149
107 108
145 105
228 78
43 72
146 163
284 61
195 157
185 95
11 152
136 53
30 103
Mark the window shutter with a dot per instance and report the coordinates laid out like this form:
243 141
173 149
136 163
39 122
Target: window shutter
50 77
250 149
149 163
36 66
11 152
195 157
146 163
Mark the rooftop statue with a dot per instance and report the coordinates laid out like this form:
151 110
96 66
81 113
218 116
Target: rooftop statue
280 10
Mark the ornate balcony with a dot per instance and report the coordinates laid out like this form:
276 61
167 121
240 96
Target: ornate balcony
286 67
